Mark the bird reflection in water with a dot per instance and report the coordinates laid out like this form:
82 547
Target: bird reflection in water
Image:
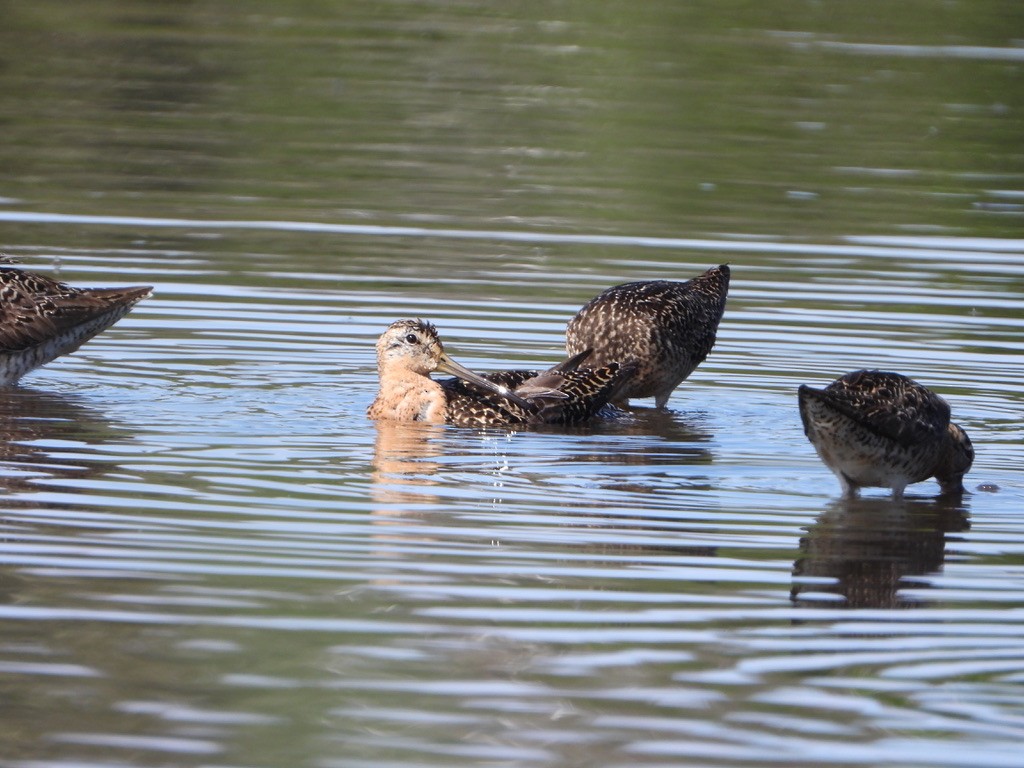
47 445
649 437
418 467
403 462
29 421
867 547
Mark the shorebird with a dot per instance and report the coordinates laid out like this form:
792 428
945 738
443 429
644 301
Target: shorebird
666 328
410 350
41 319
880 429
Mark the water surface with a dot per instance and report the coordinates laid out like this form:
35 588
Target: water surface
210 557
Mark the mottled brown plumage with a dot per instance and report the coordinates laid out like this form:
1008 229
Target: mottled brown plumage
666 328
566 394
879 429
41 319
409 350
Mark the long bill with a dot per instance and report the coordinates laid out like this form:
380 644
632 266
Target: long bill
447 365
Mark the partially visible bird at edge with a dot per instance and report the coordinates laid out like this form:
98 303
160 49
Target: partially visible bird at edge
42 319
666 328
410 350
882 429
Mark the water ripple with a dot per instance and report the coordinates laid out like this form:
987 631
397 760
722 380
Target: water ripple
199 488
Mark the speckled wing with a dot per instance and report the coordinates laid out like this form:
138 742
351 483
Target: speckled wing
565 394
890 405
585 392
472 406
35 309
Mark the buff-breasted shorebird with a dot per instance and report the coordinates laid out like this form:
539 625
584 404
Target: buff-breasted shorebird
880 429
41 319
410 350
666 328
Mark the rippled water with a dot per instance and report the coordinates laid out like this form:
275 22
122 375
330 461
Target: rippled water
209 557
211 554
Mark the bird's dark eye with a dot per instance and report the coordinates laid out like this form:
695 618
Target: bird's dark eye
412 338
